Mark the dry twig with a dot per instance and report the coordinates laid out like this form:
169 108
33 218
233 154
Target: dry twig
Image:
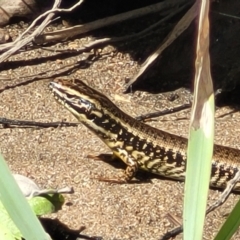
79 29
181 26
21 41
10 123
131 37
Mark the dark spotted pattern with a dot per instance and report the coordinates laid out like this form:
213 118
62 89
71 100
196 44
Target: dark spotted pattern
137 144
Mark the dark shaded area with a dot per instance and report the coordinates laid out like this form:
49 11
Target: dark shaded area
91 10
175 67
59 231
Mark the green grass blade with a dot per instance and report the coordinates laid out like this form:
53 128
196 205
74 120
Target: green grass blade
7 226
17 206
231 224
197 178
200 145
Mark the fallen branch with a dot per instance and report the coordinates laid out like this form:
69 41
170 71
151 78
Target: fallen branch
21 41
10 123
79 29
131 37
181 26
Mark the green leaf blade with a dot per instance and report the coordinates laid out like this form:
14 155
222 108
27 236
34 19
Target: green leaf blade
231 225
17 206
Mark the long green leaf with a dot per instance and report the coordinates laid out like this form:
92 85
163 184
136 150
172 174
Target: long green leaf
231 224
200 145
197 179
17 206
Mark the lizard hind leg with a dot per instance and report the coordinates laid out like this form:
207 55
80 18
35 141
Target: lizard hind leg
129 173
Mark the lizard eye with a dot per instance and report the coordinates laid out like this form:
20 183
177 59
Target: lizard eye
83 101
85 104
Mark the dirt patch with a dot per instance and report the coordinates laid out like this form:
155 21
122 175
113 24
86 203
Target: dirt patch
57 157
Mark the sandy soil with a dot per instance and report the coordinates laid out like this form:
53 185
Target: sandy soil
57 157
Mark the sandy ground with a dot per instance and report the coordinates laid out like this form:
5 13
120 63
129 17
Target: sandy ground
57 157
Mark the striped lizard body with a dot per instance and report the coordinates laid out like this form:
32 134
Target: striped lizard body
139 145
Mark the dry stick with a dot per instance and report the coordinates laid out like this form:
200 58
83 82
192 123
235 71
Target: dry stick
10 123
181 26
148 116
19 42
99 42
118 39
79 29
53 10
223 197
